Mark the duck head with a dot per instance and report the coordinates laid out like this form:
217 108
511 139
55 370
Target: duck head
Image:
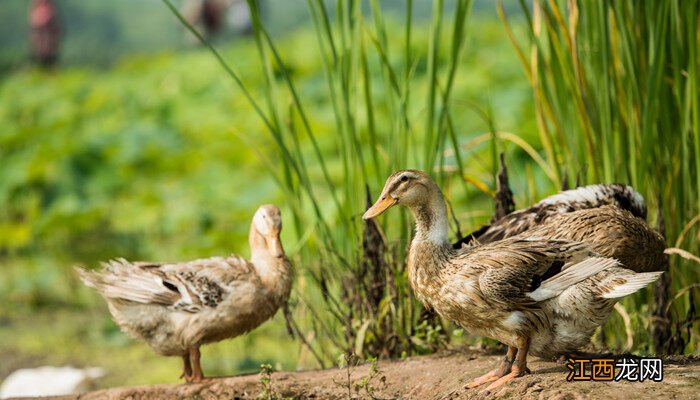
417 191
410 188
265 230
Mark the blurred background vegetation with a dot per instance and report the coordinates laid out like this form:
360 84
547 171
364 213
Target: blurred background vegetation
139 145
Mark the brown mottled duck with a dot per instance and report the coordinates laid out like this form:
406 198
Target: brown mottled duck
178 307
536 295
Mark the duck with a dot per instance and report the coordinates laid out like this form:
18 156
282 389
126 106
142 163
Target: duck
590 197
177 307
537 295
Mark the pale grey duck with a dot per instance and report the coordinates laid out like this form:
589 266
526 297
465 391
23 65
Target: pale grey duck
178 307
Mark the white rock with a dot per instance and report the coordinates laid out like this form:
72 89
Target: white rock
48 381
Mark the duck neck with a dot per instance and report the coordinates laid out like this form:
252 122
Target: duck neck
430 247
274 272
432 226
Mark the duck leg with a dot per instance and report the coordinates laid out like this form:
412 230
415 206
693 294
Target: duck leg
502 370
518 369
197 374
186 368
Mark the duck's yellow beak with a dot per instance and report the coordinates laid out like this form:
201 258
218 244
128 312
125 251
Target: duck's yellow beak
384 203
274 246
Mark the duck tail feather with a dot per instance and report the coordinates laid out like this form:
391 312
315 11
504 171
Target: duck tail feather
632 284
90 278
137 286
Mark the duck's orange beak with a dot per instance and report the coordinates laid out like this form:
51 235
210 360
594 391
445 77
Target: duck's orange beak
384 203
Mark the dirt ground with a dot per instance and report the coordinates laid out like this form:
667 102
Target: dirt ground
439 376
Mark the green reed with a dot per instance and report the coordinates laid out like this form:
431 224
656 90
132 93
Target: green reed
366 306
616 93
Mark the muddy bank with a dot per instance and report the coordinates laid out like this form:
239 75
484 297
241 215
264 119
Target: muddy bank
441 376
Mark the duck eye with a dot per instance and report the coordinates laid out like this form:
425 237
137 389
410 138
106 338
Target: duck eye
404 178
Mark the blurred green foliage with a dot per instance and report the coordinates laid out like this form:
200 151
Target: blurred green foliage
100 33
162 158
97 33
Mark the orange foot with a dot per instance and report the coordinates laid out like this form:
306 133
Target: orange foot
186 368
191 366
497 373
516 372
194 376
194 379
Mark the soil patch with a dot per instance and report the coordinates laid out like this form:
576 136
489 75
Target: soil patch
440 376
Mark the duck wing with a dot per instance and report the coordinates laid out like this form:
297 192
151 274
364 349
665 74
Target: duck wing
586 197
518 273
189 286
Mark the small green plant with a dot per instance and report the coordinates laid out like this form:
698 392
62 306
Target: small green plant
366 386
367 383
347 362
268 391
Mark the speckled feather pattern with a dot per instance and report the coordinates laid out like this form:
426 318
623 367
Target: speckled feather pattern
484 288
583 198
612 232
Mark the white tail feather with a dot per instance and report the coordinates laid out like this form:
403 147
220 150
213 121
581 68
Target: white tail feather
570 276
137 286
634 283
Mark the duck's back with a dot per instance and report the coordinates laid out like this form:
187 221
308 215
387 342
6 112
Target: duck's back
611 232
582 198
